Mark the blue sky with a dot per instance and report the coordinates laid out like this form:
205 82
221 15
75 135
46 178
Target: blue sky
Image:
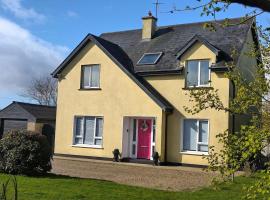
36 35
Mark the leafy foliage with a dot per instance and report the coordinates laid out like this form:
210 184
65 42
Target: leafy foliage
251 102
24 152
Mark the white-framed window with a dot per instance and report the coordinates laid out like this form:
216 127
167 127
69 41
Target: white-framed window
88 131
195 135
197 73
90 76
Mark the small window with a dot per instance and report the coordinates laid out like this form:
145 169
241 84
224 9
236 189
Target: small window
195 136
198 73
90 76
88 131
149 58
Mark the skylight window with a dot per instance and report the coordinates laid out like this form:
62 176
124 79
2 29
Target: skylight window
149 58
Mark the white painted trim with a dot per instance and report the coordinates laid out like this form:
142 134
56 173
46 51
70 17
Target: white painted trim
198 153
90 77
182 151
136 141
87 146
94 136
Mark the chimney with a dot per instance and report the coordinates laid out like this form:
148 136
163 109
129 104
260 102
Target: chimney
149 26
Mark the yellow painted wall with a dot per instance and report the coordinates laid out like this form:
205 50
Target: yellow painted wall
171 87
119 97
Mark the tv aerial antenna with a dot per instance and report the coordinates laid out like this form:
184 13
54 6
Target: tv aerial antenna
157 4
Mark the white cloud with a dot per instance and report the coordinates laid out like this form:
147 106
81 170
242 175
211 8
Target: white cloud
17 9
24 56
72 14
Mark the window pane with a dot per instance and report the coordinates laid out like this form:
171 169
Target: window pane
203 133
89 130
133 149
190 135
203 148
192 73
149 58
95 76
79 126
99 127
98 142
154 130
204 76
78 140
134 130
86 76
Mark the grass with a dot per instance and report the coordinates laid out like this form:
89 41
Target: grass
64 188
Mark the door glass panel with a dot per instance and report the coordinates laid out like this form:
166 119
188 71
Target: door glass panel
204 76
192 73
134 130
133 149
154 131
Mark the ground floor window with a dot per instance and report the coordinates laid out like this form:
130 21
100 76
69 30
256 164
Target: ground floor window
88 131
195 135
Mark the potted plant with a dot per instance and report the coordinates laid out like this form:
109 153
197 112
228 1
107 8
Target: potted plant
116 155
156 158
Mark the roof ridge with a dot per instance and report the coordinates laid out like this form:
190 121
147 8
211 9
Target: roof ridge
32 104
172 25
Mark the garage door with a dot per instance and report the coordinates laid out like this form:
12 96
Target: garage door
14 124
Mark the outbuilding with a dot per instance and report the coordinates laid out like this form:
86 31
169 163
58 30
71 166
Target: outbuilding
32 117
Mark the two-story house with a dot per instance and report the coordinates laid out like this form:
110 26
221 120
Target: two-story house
127 90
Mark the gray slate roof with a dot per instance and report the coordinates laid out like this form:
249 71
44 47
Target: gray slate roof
171 39
125 48
39 111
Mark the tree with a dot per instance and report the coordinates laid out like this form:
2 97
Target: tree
43 90
212 7
252 100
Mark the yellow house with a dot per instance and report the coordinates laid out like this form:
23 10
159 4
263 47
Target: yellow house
127 90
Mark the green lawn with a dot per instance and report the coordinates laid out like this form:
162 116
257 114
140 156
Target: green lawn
64 188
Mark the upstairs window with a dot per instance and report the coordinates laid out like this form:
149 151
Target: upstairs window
149 58
90 76
198 73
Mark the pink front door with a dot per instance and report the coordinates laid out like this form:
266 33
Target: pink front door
144 138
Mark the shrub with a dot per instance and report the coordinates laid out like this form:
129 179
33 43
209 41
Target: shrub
24 152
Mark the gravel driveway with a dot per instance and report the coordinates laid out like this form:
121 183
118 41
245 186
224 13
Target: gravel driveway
165 178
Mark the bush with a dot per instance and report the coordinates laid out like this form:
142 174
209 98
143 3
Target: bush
24 152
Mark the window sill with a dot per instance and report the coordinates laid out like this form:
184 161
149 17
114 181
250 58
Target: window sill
196 153
198 88
85 89
87 146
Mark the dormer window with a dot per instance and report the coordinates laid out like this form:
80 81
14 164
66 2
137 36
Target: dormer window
149 58
197 73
